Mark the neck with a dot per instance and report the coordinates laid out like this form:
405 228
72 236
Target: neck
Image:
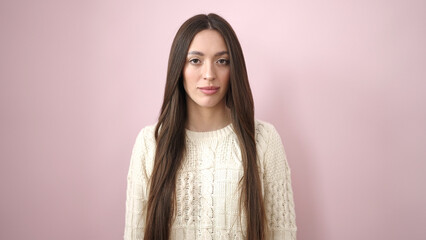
201 119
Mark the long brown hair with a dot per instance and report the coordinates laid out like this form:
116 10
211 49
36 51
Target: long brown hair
170 132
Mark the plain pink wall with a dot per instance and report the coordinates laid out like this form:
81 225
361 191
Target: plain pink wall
344 82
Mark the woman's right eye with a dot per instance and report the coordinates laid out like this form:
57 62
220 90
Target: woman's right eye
195 61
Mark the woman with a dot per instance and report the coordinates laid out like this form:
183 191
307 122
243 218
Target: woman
208 169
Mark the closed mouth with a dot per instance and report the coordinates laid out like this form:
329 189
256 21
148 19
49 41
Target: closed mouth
209 88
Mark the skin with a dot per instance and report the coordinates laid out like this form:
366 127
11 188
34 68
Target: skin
207 65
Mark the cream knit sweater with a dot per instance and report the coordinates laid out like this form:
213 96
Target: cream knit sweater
207 190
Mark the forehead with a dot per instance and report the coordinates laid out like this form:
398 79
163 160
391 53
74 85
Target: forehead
208 42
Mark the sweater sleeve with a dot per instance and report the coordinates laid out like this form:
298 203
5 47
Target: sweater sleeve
136 191
279 203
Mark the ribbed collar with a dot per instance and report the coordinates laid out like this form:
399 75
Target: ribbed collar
220 133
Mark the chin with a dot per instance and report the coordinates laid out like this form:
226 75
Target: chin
206 102
209 104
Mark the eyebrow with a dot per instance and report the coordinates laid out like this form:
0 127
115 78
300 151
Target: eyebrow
202 54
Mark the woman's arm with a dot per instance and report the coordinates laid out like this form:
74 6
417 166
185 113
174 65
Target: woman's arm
136 191
279 203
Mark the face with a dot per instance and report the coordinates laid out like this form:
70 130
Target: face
206 71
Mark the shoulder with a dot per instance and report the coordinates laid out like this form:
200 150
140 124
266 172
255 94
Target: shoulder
146 135
263 127
143 152
147 131
264 131
145 141
267 137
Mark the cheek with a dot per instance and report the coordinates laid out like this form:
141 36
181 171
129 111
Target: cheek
189 77
225 76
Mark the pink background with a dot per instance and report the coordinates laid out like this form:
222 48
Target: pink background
344 82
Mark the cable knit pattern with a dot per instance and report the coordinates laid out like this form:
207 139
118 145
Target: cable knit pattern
207 190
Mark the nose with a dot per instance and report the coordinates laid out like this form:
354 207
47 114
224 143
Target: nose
209 72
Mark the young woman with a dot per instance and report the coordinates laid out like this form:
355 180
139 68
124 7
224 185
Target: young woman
208 169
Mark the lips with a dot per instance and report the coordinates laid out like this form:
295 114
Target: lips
209 90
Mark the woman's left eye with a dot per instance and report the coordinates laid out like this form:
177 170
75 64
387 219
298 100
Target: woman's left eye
223 61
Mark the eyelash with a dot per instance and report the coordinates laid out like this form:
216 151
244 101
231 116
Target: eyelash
194 59
224 61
